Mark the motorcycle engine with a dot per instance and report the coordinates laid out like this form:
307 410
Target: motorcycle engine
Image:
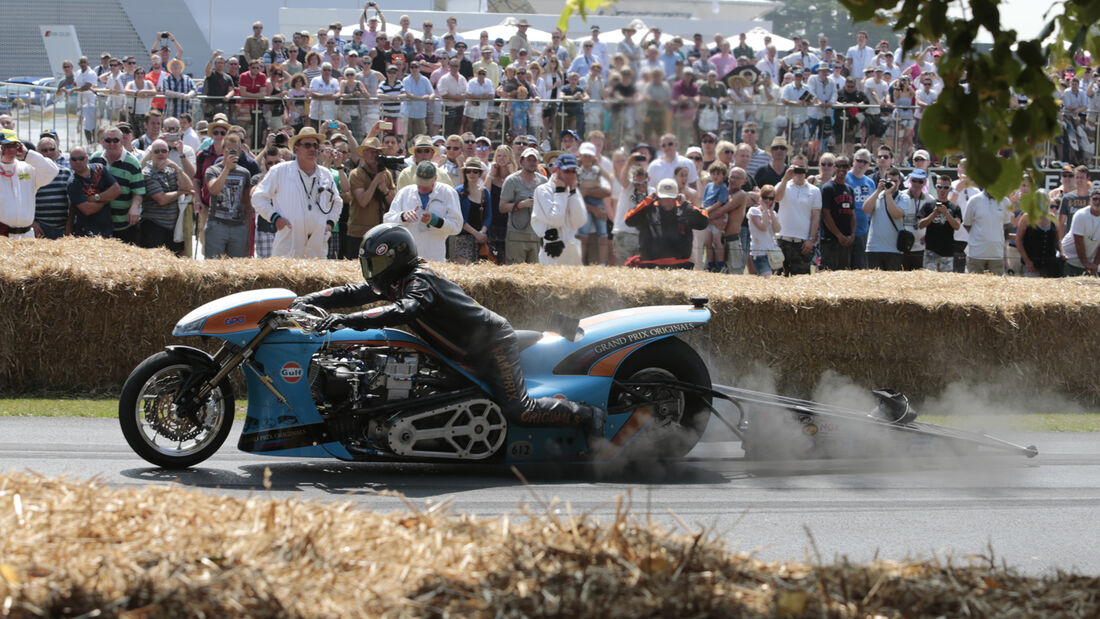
364 378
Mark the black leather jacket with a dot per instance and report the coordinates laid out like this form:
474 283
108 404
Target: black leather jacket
433 307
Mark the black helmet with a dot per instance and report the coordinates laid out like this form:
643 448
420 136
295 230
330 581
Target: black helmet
387 253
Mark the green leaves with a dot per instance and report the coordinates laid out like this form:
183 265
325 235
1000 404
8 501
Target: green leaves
1000 143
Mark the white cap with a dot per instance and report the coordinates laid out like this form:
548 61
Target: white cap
530 152
587 148
667 189
694 150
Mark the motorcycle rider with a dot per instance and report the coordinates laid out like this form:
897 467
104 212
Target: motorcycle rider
439 311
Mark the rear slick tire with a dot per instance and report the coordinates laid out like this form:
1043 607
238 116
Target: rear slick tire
149 420
671 358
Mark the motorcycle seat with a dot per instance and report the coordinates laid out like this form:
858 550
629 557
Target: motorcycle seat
527 339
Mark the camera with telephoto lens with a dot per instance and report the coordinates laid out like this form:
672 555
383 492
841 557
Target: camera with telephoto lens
393 164
800 170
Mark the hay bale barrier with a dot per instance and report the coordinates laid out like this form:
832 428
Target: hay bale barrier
80 314
78 548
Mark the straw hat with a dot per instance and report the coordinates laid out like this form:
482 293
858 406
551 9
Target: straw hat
305 132
423 141
220 120
370 143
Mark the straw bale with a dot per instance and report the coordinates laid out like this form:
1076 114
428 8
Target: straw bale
70 547
79 314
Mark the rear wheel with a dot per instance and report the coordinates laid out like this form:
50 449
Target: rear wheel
156 428
672 409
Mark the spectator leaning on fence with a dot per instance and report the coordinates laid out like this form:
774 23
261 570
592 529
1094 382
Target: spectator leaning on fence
126 168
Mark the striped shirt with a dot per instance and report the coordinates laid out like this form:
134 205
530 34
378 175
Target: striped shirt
391 108
175 106
51 203
127 171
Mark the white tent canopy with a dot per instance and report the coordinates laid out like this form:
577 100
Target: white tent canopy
349 31
506 30
754 37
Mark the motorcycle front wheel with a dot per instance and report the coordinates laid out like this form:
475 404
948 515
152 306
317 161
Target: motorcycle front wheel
154 426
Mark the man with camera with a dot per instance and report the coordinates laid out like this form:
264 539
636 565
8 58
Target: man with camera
372 191
912 201
228 183
799 217
940 220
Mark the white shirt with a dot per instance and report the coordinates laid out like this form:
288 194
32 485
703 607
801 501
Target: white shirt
987 218
761 240
323 109
659 169
431 240
307 202
881 88
564 211
624 205
451 85
86 77
961 195
796 208
190 138
1087 226
793 93
860 58
19 181
771 67
479 109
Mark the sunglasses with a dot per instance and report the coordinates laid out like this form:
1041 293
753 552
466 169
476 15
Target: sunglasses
919 159
943 187
1067 174
77 158
467 141
218 132
424 151
311 145
667 144
111 140
768 198
783 148
843 166
483 148
696 158
916 181
454 148
159 151
828 165
474 172
884 156
867 161
727 152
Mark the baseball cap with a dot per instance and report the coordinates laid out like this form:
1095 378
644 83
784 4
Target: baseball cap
7 136
921 154
918 173
567 161
667 189
529 152
439 138
425 173
566 132
694 150
587 148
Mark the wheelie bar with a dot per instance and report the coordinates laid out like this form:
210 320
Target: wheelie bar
740 397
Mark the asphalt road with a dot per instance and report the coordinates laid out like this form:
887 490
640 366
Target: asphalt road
1037 515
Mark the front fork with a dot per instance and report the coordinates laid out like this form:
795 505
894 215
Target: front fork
188 401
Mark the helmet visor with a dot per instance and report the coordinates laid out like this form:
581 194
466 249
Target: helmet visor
373 266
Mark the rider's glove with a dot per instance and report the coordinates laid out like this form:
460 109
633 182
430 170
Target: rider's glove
298 303
553 243
332 322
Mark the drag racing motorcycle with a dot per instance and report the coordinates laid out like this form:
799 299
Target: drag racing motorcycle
385 394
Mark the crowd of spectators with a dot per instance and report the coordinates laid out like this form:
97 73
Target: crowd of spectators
654 152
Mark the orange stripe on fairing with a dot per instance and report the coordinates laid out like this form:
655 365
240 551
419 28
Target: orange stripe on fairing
251 314
623 313
608 365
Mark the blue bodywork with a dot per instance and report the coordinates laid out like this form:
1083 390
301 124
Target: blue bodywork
553 366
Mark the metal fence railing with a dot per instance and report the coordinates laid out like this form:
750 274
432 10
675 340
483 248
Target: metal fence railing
812 129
